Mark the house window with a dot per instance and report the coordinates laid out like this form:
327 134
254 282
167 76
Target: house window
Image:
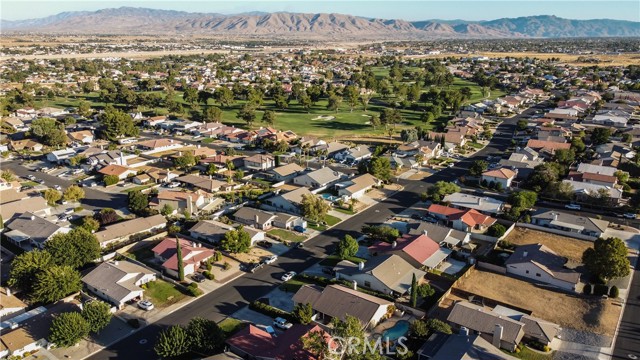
538 274
367 284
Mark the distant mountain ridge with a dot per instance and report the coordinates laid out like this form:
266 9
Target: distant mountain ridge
129 20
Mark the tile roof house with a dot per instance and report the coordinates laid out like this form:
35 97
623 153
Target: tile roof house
26 144
320 178
14 203
83 136
118 282
209 230
336 301
204 183
442 235
285 172
29 230
193 202
472 221
569 222
259 162
540 264
547 146
289 201
460 347
122 172
503 176
389 274
586 191
252 342
596 179
158 145
419 250
356 187
123 230
193 254
256 218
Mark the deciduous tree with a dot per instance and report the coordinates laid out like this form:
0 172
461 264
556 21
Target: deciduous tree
67 329
97 314
54 283
347 247
607 259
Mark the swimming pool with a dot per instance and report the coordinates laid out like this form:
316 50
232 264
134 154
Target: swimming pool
330 197
400 329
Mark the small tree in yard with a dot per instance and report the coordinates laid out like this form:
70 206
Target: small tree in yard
107 216
172 342
206 336
347 247
303 313
425 290
54 283
414 291
436 325
90 224
52 196
138 201
236 241
419 329
314 208
97 314
111 180
67 329
73 193
166 210
496 230
180 260
478 167
607 259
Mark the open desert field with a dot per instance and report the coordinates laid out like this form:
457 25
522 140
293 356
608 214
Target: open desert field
570 311
562 245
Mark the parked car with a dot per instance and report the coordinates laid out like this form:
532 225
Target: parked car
573 207
282 323
197 277
265 244
173 185
93 184
629 215
255 266
271 259
31 177
40 181
288 276
145 305
57 187
299 229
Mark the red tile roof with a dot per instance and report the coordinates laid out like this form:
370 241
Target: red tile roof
473 217
190 254
502 173
443 210
549 145
418 247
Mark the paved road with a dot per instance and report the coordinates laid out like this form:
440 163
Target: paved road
237 294
94 199
627 344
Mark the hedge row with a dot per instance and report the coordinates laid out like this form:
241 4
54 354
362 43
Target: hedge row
270 311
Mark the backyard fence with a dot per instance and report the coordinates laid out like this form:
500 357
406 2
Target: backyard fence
557 232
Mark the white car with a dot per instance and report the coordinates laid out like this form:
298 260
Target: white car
629 215
271 259
288 276
173 185
145 305
573 207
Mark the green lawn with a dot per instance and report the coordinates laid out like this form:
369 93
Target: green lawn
286 235
333 260
344 211
230 325
331 220
29 183
162 293
293 285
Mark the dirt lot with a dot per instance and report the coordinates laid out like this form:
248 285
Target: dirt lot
562 245
570 311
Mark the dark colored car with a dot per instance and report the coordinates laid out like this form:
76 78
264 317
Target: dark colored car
265 244
197 277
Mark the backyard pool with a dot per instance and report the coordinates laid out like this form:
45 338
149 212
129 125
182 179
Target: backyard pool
330 197
397 331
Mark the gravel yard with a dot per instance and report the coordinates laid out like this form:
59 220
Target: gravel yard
562 245
569 311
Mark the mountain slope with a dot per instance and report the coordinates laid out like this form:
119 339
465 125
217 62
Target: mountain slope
128 20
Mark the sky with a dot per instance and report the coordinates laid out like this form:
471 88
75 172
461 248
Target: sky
402 9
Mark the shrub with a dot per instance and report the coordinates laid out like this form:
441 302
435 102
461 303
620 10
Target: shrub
600 290
226 266
270 310
209 275
587 289
111 180
614 292
193 290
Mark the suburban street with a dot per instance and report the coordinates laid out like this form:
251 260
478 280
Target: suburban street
226 300
627 344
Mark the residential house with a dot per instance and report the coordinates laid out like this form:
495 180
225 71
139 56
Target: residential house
58 156
503 332
485 205
596 169
569 222
337 301
355 154
288 221
462 346
201 182
523 162
610 118
334 148
259 162
125 230
122 172
419 250
502 176
587 191
290 201
591 178
319 179
16 123
193 254
446 237
389 274
285 172
209 230
189 201
82 136
356 187
256 218
540 264
155 121
29 230
14 203
9 304
108 158
161 176
252 342
451 139
27 144
118 282
158 145
472 221
549 147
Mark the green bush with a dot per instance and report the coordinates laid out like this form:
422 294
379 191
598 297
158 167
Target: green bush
193 290
226 266
111 180
587 289
600 290
270 311
209 275
614 292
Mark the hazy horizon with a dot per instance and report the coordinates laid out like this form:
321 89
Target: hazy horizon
469 10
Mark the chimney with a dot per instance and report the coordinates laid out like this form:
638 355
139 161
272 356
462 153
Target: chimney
194 244
115 263
33 217
497 335
256 218
8 291
361 265
464 331
425 232
479 201
123 162
198 146
394 244
355 285
555 216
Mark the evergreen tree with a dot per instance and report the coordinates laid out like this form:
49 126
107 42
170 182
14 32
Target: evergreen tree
180 261
414 291
67 329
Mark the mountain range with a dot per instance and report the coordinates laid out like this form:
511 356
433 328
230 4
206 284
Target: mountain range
139 21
